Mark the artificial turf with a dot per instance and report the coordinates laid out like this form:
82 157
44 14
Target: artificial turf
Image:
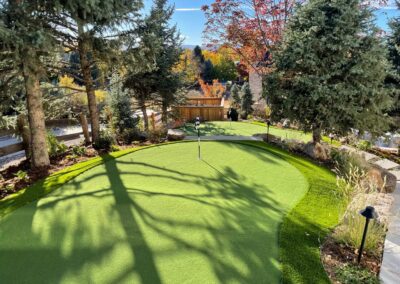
161 216
244 129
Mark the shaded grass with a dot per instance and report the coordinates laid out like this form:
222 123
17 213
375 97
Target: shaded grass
43 187
301 232
304 229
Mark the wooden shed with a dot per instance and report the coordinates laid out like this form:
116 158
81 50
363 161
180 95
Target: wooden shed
210 109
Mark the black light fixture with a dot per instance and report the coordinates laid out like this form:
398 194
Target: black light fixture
197 126
369 213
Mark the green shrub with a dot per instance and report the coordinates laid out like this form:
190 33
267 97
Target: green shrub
22 175
130 135
364 145
350 274
344 161
105 141
351 230
157 135
55 148
78 151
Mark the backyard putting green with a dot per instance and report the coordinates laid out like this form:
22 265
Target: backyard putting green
244 129
160 215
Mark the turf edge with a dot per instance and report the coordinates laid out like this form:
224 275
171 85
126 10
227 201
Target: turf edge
301 232
304 229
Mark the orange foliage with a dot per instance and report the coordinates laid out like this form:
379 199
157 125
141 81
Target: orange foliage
216 90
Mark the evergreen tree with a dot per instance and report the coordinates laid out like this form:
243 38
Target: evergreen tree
393 78
330 70
247 100
24 38
205 68
121 106
235 94
93 30
160 84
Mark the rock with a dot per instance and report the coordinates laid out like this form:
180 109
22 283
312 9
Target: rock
271 138
317 151
295 145
175 135
384 180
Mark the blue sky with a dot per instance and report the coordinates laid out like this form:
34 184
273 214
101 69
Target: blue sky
190 19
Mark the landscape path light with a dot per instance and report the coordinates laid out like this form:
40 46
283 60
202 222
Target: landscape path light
197 126
369 213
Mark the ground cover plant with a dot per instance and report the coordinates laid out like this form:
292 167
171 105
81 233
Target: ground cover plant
151 218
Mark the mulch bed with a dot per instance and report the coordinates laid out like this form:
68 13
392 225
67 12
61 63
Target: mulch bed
336 255
10 183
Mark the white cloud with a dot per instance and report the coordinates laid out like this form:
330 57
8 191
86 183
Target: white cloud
187 9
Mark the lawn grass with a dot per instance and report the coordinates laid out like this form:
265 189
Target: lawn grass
161 216
248 129
304 229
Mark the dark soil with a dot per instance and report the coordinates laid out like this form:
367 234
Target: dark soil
10 183
335 255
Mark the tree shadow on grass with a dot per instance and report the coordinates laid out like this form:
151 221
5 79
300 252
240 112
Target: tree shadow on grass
239 242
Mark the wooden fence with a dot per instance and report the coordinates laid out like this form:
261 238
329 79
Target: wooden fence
209 109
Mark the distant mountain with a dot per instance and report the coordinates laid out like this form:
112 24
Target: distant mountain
192 46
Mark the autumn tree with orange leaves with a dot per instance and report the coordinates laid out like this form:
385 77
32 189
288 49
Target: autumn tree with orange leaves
251 28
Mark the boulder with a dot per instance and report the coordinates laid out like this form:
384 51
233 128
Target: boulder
317 151
383 180
271 138
295 145
175 135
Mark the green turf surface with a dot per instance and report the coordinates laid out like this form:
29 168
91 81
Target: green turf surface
158 215
244 129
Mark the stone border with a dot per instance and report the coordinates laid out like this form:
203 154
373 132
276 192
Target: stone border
390 269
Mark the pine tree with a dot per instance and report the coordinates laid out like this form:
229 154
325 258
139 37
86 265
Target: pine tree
24 38
82 26
160 84
393 78
235 94
121 106
247 100
330 70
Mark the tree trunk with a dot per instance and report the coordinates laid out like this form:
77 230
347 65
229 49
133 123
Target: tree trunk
85 128
38 137
84 48
316 135
24 132
144 111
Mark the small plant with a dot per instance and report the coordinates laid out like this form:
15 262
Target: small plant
55 148
351 231
78 151
364 145
130 135
115 148
105 141
157 135
350 274
22 175
10 187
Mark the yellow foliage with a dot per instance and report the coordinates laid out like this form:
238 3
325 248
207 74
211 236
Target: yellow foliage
216 90
187 67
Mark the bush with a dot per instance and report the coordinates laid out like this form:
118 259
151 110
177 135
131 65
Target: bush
22 175
78 151
344 161
158 135
364 145
55 148
105 141
130 135
349 274
351 230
